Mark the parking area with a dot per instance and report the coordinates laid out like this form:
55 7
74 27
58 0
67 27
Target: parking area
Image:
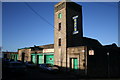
32 72
36 74
14 70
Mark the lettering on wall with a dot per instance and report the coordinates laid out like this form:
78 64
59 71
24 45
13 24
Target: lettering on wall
91 52
75 24
48 50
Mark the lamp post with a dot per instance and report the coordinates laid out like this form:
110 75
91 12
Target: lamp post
108 64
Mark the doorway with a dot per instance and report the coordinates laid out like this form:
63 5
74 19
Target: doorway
23 57
73 63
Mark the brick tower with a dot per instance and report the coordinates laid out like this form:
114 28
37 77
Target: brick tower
68 30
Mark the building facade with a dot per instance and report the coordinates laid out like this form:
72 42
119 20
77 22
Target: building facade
67 31
68 34
37 54
11 55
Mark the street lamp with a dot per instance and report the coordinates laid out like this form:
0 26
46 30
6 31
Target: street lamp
108 63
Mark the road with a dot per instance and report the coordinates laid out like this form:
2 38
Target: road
36 74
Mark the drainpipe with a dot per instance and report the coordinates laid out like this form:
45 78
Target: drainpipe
86 51
66 59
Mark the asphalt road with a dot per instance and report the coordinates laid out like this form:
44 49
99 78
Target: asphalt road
36 74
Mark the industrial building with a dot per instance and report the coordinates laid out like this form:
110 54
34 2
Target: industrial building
10 55
37 54
71 50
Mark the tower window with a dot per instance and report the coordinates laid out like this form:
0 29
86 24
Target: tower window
59 27
59 42
59 15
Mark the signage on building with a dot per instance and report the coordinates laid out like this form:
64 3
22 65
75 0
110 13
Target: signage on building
48 50
91 52
75 24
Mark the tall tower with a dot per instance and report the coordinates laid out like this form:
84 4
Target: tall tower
68 30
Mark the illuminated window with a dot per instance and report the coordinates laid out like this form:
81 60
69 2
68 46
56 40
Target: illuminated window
59 27
59 42
59 15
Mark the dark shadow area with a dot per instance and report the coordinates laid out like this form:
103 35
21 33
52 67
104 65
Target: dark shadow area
94 71
104 64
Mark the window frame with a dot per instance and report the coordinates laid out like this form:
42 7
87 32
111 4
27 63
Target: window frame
59 42
59 26
60 15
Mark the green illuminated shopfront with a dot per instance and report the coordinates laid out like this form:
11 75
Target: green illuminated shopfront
41 58
14 57
11 55
37 54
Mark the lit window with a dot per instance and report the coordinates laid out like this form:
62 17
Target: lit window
59 42
59 15
59 27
